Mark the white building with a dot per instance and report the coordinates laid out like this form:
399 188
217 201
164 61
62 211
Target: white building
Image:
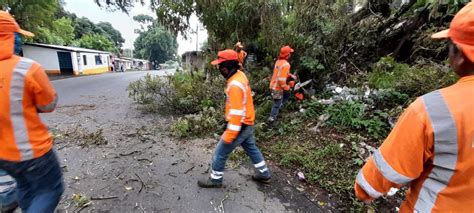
64 60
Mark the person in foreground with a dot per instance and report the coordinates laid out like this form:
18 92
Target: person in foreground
431 148
26 147
240 117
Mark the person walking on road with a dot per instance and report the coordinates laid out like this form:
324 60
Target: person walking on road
240 117
431 148
239 48
26 149
278 84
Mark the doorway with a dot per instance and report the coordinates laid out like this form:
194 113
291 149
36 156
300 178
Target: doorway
65 63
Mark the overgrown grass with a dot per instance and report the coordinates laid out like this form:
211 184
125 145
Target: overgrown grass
415 80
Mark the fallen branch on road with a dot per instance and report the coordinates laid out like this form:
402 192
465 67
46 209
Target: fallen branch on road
186 172
130 153
104 198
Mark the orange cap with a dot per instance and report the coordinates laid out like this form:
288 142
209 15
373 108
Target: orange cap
226 55
286 51
461 31
9 25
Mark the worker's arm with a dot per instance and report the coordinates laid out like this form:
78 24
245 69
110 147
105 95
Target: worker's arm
282 78
244 59
45 97
235 114
399 160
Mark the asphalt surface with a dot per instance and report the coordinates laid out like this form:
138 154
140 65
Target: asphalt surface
116 158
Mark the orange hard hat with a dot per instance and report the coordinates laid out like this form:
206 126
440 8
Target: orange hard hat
461 31
9 25
226 55
285 51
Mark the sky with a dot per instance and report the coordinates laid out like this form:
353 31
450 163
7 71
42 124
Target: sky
125 24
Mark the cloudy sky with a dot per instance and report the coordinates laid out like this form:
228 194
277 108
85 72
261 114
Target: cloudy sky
125 24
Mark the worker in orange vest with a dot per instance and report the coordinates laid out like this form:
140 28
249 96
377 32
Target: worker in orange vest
431 148
240 117
239 48
279 82
25 145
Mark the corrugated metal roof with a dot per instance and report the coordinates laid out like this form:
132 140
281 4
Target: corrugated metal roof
72 49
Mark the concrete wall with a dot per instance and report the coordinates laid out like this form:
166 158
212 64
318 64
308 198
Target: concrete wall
91 67
48 58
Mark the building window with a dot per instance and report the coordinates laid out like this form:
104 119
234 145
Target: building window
84 59
98 60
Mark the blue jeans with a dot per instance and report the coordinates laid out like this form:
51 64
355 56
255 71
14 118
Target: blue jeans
278 104
245 139
40 182
7 190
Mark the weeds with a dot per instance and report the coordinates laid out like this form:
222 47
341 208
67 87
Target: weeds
182 93
195 125
411 80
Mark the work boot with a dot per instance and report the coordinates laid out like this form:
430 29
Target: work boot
261 179
209 183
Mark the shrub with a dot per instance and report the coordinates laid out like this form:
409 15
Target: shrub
202 124
413 80
182 93
356 116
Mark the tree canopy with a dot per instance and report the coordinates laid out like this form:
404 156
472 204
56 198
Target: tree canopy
156 43
61 32
96 41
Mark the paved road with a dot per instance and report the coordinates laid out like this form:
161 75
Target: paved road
122 160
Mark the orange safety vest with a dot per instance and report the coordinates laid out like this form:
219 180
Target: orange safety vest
239 107
24 91
241 57
280 75
431 149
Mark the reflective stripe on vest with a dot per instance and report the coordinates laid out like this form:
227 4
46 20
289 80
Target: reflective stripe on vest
244 102
16 109
387 171
445 151
366 186
50 107
275 83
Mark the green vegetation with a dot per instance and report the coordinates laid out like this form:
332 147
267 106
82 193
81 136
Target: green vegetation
182 93
381 53
96 41
61 32
415 80
154 43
